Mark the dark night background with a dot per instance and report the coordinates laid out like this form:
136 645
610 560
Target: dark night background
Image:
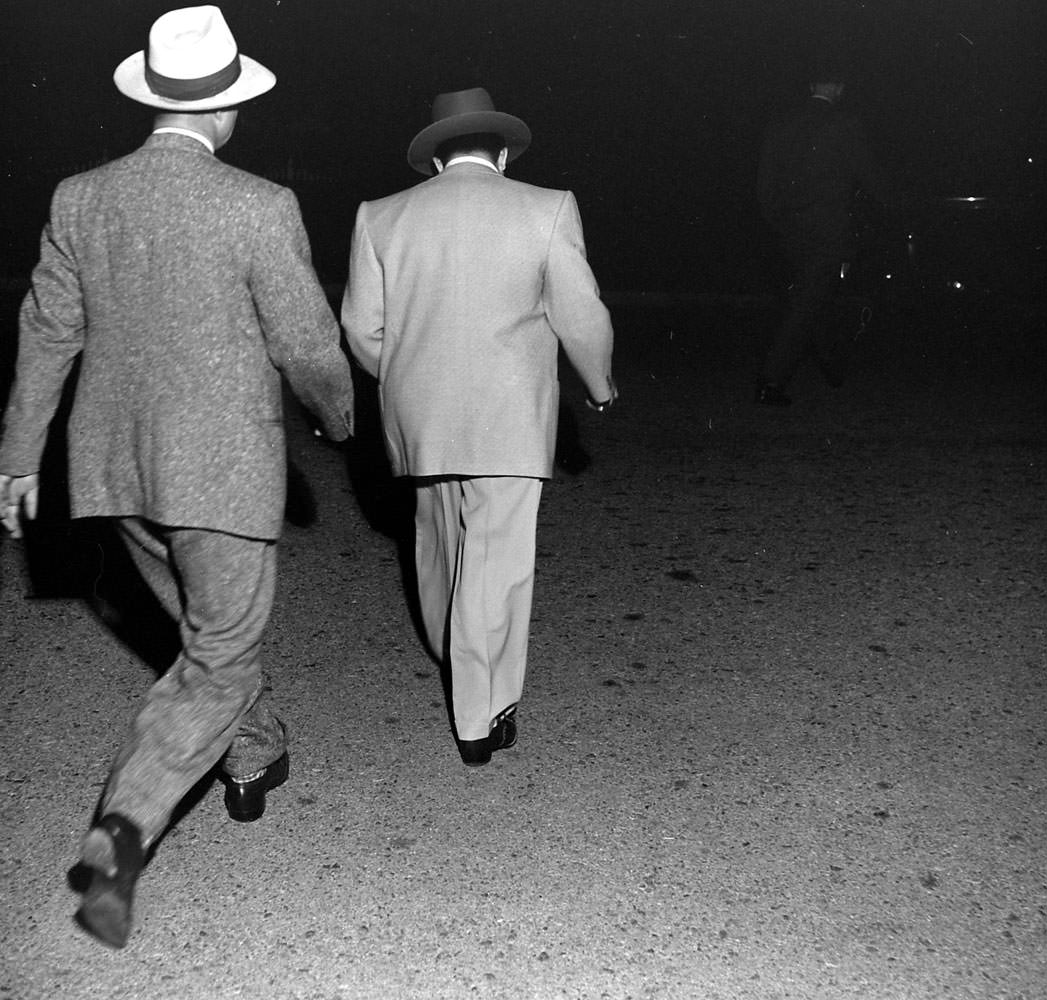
651 110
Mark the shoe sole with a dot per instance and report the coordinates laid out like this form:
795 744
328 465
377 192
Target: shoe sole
106 910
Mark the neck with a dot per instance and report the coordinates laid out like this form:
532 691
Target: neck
472 158
200 123
180 130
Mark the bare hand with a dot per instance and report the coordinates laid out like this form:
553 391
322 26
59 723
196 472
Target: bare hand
601 404
18 495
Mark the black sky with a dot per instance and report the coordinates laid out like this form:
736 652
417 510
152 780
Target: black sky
651 111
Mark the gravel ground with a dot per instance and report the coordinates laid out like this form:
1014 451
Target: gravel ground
782 737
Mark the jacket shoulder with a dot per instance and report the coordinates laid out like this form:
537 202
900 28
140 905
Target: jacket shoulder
254 183
219 173
86 180
508 185
551 195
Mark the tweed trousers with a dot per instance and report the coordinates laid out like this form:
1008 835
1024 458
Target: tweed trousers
208 705
474 554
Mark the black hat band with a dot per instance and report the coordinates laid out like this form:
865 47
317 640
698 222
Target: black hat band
196 89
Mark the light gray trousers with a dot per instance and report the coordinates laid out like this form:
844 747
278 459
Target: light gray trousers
219 589
474 553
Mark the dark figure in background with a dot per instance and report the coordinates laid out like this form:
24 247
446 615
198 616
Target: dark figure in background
812 164
185 286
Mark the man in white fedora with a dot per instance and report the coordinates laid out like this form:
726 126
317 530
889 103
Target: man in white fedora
461 289
186 288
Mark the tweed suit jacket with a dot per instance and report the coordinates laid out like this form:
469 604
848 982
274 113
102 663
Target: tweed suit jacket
186 285
460 291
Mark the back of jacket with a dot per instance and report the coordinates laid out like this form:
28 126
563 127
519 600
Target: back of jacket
460 291
187 285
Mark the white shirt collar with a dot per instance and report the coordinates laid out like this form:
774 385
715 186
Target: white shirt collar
471 159
175 130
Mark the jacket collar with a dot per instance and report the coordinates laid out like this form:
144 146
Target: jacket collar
178 140
479 161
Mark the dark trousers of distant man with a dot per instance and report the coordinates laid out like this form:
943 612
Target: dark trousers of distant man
475 554
810 326
219 588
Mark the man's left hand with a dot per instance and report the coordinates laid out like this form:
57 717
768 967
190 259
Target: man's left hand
602 404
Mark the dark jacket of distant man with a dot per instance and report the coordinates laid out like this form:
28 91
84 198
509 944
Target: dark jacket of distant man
812 164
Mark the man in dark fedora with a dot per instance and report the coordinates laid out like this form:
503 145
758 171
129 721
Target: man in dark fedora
812 164
461 290
186 288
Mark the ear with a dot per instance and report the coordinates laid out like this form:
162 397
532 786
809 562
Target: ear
438 164
224 122
503 159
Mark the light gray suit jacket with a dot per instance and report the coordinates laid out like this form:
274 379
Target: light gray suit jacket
460 290
187 286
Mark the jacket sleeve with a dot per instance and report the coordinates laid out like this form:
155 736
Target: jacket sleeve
51 336
300 330
572 302
363 304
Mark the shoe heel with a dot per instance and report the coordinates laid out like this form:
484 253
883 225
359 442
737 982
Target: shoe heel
475 753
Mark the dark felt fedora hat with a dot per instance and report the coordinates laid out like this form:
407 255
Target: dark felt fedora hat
462 112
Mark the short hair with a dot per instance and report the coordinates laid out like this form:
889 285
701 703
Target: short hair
472 142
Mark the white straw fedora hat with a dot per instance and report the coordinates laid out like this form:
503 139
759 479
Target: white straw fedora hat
191 64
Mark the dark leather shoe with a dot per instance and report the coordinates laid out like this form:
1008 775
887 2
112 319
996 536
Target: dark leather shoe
475 753
113 852
245 800
503 735
771 395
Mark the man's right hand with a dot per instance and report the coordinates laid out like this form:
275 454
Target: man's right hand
18 494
